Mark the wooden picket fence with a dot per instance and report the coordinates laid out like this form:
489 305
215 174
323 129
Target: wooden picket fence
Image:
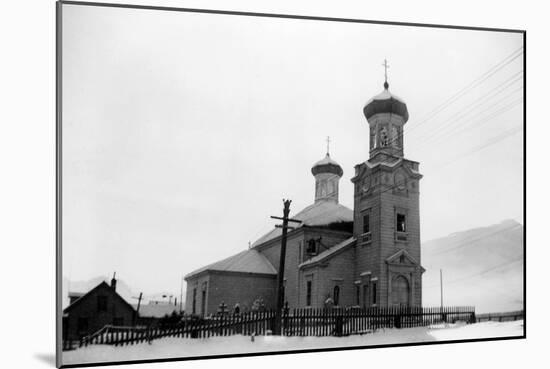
290 322
501 317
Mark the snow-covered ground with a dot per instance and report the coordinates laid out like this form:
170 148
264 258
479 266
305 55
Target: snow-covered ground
182 347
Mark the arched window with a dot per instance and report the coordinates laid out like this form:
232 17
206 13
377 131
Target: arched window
336 295
395 137
384 137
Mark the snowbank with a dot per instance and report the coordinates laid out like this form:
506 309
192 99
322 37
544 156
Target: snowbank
181 347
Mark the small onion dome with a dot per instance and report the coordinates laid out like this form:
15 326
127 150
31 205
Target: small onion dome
327 165
386 102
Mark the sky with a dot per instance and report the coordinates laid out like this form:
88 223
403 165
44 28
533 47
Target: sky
183 132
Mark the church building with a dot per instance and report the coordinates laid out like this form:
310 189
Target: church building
365 257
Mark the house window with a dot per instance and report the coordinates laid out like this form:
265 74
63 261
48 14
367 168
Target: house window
101 303
357 295
118 321
82 325
194 300
374 293
336 295
401 222
308 293
311 247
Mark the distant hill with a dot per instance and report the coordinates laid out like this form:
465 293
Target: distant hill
482 267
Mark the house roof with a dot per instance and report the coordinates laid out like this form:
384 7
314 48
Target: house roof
85 296
330 252
248 261
156 310
320 213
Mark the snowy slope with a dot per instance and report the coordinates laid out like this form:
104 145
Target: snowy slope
481 267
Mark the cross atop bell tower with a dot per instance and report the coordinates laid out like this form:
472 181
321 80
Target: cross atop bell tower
386 115
386 219
386 66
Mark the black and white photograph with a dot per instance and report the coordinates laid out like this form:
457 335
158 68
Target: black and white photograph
234 183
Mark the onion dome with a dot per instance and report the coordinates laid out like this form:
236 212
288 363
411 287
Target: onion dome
386 102
327 165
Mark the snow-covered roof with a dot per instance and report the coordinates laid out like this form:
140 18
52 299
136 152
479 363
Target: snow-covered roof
327 253
155 310
248 261
327 165
386 102
326 160
385 95
318 214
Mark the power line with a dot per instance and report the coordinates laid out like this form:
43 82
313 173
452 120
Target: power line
493 141
489 73
491 269
469 242
476 123
479 103
493 70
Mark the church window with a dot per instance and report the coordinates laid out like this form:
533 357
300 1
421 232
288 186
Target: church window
311 247
203 299
101 303
366 295
374 293
308 293
336 295
194 300
366 223
384 137
203 303
401 223
395 137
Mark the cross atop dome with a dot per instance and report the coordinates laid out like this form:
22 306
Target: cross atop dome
386 66
327 173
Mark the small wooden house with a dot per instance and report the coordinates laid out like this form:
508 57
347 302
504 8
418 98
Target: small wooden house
90 312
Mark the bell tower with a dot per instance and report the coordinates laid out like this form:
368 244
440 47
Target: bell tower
386 209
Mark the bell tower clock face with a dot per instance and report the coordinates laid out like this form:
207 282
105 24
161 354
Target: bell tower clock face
400 181
366 185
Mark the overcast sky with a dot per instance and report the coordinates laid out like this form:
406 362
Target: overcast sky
182 132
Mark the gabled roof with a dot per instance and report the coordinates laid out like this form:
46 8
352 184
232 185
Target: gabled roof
407 259
99 286
248 261
330 252
320 213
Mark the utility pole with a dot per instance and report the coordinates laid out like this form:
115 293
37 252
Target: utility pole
281 274
441 285
139 304
181 295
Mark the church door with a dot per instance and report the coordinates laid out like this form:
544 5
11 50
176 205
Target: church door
400 291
